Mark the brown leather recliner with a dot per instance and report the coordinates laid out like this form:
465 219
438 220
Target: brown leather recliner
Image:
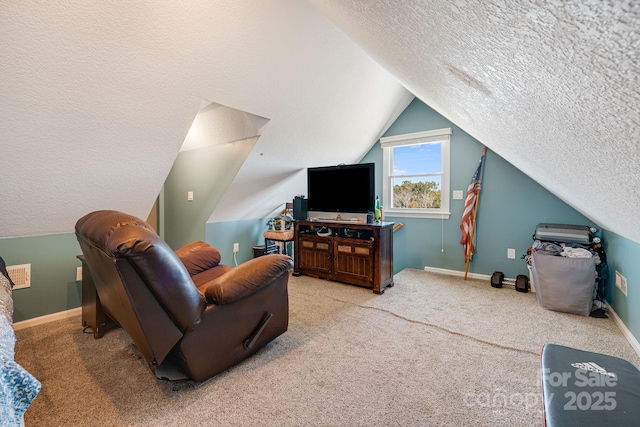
183 330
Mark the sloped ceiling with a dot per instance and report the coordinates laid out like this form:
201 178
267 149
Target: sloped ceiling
96 98
217 124
551 86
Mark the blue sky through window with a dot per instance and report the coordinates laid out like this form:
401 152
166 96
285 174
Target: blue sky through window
416 159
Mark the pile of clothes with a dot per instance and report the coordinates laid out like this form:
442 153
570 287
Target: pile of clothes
570 250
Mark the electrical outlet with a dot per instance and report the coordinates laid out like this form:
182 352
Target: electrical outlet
78 274
621 283
236 247
511 253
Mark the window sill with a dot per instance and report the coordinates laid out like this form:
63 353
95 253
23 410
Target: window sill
409 214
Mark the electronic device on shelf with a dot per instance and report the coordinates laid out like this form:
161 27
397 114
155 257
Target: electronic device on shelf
353 234
324 232
332 229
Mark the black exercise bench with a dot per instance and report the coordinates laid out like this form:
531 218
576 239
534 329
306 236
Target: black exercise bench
581 388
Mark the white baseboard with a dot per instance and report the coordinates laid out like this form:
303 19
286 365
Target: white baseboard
623 328
47 318
633 342
457 273
508 281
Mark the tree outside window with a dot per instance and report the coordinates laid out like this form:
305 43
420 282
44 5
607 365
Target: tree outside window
416 174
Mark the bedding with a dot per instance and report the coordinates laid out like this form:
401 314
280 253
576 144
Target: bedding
18 387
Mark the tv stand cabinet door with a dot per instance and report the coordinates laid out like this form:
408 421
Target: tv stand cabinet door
353 262
314 255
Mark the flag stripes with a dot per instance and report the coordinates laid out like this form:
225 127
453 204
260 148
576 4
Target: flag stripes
467 223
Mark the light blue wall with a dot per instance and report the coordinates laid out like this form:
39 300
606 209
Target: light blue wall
247 233
511 204
208 172
53 274
623 256
184 221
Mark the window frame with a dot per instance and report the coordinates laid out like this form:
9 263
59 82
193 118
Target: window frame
442 136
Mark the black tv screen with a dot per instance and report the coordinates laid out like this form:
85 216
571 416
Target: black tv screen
342 188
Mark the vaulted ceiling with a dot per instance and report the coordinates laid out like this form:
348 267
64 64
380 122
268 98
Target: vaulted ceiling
553 87
96 98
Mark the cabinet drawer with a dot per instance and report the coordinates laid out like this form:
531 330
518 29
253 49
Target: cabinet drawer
356 250
315 246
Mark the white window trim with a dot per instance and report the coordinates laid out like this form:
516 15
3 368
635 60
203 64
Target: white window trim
387 143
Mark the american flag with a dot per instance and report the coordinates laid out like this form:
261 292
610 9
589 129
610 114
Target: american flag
467 225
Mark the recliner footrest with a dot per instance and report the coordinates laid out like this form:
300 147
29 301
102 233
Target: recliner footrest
582 388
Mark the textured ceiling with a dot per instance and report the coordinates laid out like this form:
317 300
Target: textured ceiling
551 86
216 124
96 98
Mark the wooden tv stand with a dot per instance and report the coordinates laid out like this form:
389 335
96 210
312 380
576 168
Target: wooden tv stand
355 252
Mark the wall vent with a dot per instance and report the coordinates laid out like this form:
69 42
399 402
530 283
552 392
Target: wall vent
21 275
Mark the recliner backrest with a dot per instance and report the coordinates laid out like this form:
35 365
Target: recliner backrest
126 253
162 271
122 235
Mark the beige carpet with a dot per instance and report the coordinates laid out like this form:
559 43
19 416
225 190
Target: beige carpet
432 351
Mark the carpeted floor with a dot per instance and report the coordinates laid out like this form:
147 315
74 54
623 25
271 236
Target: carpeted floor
433 350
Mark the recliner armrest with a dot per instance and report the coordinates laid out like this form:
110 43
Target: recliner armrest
198 256
247 278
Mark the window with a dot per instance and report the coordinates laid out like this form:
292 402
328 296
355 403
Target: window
416 174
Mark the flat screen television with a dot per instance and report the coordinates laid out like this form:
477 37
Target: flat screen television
342 188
